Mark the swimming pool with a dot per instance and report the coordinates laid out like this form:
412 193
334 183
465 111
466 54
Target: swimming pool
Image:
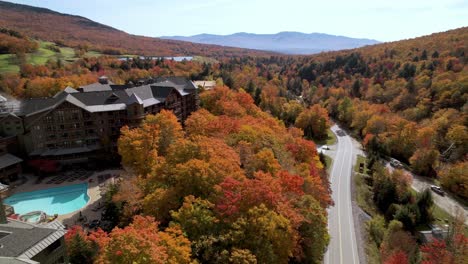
59 200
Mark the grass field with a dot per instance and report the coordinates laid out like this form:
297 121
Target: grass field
43 54
8 62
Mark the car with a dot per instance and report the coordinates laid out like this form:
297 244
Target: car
395 163
95 224
437 190
325 147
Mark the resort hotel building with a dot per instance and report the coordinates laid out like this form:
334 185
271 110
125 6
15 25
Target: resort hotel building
79 125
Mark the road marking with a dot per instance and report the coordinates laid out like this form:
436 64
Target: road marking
339 209
342 149
334 208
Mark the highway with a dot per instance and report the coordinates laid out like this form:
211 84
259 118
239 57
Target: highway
343 247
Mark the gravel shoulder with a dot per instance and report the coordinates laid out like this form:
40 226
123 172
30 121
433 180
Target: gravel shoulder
360 217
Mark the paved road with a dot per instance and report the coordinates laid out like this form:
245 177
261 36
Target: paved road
343 246
447 202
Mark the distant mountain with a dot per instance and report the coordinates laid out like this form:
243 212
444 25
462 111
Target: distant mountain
77 31
283 42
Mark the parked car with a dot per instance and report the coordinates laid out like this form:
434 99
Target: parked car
94 224
437 190
325 147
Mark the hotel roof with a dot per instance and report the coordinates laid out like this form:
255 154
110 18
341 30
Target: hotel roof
99 97
8 160
24 240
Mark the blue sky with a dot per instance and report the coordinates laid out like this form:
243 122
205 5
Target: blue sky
384 20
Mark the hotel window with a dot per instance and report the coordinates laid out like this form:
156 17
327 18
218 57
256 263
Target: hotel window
75 115
60 115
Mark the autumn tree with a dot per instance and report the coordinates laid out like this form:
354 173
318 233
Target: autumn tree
138 148
396 240
454 178
170 130
143 242
80 248
314 121
399 257
313 230
142 148
266 234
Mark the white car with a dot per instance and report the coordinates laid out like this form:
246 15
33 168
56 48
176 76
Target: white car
325 147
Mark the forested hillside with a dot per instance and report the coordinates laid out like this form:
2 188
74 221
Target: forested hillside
82 33
406 99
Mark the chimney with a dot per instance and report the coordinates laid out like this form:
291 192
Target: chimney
3 218
103 80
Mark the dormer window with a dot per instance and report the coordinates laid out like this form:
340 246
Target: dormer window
111 99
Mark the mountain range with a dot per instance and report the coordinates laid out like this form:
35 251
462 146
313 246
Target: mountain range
283 42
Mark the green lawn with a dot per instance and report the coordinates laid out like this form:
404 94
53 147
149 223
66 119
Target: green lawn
41 56
7 63
328 163
92 54
364 192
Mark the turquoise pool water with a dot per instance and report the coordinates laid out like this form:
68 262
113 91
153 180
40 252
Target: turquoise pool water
59 200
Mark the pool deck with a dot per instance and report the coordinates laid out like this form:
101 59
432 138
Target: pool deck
94 193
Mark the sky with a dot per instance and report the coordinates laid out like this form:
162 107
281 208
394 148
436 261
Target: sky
383 20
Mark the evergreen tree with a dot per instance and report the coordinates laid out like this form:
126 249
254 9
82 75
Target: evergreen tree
356 89
257 97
